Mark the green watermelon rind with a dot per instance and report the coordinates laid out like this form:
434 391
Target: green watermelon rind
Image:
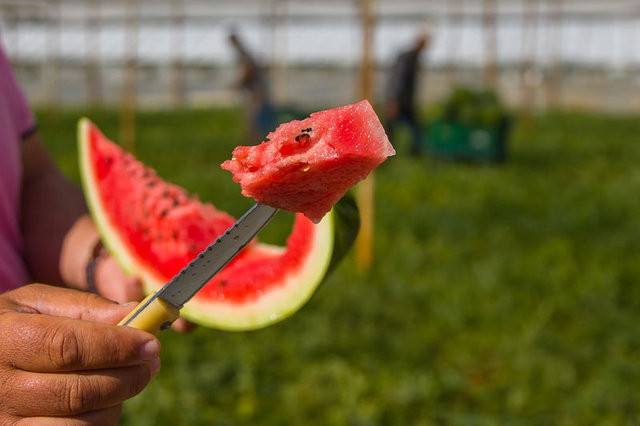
337 229
278 303
335 234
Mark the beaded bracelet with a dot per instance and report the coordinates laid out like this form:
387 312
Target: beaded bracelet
97 253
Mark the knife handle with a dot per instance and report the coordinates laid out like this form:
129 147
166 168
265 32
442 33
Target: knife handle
157 316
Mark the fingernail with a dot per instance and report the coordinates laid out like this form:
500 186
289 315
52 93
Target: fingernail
150 350
155 367
129 304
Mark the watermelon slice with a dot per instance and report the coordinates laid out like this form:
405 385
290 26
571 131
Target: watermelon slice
155 228
307 166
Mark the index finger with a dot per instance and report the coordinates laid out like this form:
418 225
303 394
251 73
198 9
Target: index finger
63 302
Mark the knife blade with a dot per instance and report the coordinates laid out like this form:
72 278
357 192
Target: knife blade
158 310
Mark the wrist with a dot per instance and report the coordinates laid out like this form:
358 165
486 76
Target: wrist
77 250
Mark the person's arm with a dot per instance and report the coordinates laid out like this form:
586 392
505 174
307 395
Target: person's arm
50 207
59 236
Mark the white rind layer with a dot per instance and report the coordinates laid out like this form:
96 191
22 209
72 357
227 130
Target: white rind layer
113 242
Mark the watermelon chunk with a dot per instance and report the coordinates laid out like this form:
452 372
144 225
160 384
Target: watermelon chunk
306 166
154 229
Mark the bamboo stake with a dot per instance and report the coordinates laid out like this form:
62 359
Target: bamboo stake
177 51
92 53
454 39
529 43
365 189
553 84
52 67
12 18
127 131
279 22
490 76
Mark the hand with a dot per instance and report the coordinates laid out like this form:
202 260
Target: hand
63 362
110 280
113 283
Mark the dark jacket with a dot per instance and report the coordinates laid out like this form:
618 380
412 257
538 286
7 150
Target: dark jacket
401 85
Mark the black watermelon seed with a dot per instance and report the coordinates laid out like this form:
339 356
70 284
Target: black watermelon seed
303 138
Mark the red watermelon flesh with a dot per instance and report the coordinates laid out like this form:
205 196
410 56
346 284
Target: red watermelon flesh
161 223
155 228
259 270
307 166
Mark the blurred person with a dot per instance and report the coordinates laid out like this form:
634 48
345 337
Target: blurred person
61 356
253 81
401 89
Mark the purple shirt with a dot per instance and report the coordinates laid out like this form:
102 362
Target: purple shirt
16 120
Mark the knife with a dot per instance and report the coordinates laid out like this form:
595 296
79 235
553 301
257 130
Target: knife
158 310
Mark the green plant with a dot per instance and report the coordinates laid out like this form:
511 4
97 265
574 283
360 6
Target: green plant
498 295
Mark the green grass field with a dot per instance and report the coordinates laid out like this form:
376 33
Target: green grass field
499 295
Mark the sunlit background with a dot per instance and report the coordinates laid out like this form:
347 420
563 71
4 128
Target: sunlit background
503 286
588 49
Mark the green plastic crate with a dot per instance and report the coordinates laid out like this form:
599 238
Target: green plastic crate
458 141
